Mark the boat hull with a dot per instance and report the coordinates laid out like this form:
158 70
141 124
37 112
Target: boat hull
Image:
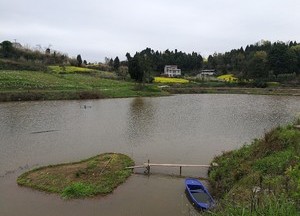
198 194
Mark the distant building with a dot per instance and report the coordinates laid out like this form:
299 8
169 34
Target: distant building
172 71
207 73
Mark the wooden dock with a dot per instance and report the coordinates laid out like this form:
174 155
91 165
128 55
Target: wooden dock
148 165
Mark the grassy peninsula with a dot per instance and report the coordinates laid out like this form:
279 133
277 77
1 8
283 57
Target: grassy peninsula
97 175
262 178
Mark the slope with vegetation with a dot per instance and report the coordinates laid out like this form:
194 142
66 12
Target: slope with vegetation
37 85
34 74
262 178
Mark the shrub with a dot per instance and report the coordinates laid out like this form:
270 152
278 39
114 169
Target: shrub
228 78
12 65
78 189
260 84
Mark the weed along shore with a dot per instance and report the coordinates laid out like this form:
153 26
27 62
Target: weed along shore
261 178
97 175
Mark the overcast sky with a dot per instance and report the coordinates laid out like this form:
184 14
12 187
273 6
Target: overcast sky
96 28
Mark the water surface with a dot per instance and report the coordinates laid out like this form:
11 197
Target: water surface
188 129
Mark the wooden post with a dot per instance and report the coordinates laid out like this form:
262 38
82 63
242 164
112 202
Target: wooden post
180 170
148 167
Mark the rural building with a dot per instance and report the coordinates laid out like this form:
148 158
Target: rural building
207 73
172 71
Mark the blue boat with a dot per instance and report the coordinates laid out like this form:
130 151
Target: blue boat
198 194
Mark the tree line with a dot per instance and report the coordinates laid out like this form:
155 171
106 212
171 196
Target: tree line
144 65
263 61
260 61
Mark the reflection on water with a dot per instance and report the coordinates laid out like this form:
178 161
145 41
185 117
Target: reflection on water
189 129
140 120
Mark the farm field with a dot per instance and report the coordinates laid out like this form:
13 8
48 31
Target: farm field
28 84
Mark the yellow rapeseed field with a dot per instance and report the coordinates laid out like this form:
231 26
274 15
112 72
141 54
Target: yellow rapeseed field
169 80
69 69
228 78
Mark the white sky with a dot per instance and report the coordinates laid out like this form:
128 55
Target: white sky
96 28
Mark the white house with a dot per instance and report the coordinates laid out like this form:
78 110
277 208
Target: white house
207 73
172 71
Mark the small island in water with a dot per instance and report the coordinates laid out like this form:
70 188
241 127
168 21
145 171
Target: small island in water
97 175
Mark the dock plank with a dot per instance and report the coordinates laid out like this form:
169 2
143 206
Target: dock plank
175 165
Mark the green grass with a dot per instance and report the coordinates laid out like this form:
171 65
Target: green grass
271 165
98 175
78 189
31 85
273 84
32 80
37 85
272 206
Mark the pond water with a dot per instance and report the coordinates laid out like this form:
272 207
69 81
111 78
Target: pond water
188 129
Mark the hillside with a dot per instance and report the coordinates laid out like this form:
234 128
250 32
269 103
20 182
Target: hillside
262 178
73 83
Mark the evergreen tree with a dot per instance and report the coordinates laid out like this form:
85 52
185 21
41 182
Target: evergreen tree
257 66
79 60
281 59
296 49
6 49
135 70
116 63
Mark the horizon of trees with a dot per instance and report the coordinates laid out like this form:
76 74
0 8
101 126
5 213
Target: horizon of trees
260 61
263 60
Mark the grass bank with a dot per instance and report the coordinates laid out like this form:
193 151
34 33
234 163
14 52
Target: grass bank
232 90
65 83
262 178
98 175
36 85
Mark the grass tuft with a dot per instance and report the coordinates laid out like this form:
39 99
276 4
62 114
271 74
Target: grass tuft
78 190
